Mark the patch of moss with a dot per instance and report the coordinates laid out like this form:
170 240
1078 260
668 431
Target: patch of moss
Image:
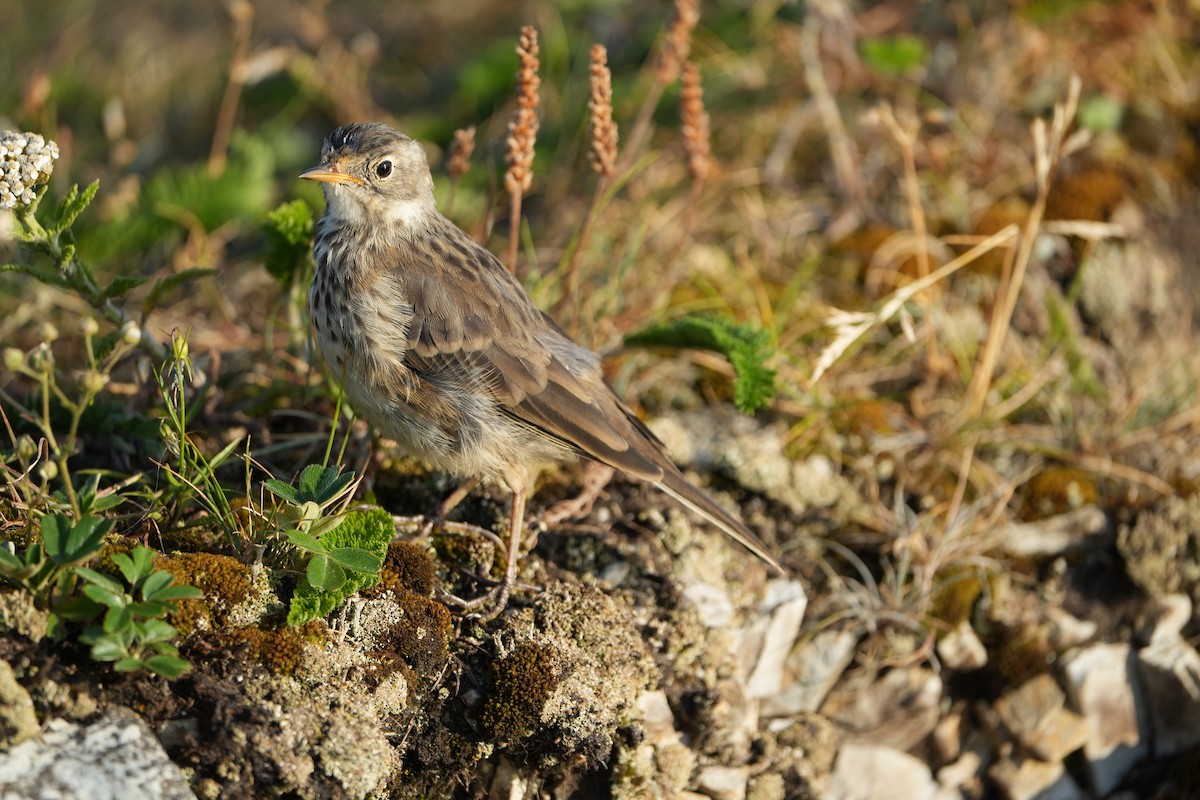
1056 490
407 566
519 686
279 650
1004 212
225 582
955 596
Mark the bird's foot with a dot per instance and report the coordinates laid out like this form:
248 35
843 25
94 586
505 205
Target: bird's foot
596 476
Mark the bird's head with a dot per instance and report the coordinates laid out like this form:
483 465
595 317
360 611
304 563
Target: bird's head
374 175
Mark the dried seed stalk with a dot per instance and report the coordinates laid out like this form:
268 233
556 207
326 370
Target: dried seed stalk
522 133
695 124
603 154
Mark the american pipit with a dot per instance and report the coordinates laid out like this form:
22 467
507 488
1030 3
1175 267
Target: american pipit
443 350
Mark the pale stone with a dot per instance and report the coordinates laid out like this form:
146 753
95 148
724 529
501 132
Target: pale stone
871 772
817 665
961 650
1102 681
723 783
1080 527
18 721
117 756
713 606
1169 669
787 603
1034 780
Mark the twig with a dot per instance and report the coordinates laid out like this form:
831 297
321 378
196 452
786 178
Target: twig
243 16
676 48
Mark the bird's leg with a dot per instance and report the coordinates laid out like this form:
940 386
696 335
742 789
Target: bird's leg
596 476
438 518
495 600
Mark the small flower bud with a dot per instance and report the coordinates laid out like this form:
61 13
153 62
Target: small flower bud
42 359
89 327
47 470
94 381
130 333
179 346
48 332
26 447
14 359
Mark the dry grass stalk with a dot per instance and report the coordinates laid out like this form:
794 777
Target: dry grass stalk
841 146
602 154
674 52
242 14
849 327
1048 153
522 133
461 149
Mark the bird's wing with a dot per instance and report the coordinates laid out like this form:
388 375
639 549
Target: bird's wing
492 340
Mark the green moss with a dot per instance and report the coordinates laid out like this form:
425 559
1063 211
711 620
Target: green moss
520 684
1056 490
368 530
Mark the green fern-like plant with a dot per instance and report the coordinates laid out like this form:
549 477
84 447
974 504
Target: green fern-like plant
747 348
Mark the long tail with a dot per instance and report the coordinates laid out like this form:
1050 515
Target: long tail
679 487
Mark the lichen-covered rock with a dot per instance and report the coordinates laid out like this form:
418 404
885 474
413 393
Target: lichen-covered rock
1162 548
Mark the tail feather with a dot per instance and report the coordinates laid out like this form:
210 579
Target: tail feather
674 484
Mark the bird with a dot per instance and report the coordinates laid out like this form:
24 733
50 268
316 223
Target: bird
440 347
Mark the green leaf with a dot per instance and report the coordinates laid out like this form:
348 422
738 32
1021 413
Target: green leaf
357 560
106 648
104 597
323 574
56 532
151 609
100 579
167 666
127 567
127 664
368 530
71 207
48 277
156 630
154 582
746 347
305 542
86 538
894 56
8 561
282 490
178 593
310 479
117 620
122 285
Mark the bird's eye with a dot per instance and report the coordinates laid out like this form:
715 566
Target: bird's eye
383 169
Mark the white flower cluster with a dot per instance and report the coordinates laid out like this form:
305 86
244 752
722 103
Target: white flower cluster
26 161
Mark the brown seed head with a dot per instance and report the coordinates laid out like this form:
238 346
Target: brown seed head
522 130
603 154
460 152
695 124
679 40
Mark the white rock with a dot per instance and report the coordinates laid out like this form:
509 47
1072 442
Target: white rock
1066 630
658 720
961 650
817 665
116 757
1169 669
1077 528
789 602
870 772
1034 780
723 783
1102 681
713 606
